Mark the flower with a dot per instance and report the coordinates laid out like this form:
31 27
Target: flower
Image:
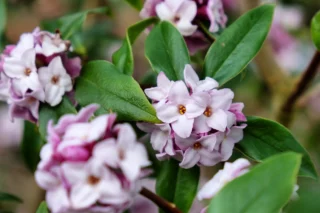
36 70
55 81
184 14
200 123
230 172
90 166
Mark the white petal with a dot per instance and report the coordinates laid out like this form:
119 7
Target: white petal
218 120
13 68
221 99
179 93
58 200
190 76
45 75
211 188
186 28
159 139
108 152
126 135
164 12
163 82
98 128
168 113
74 172
46 180
200 124
155 93
187 11
54 94
83 195
190 158
183 126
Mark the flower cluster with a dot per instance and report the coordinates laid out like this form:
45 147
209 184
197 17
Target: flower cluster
90 166
200 122
36 70
185 13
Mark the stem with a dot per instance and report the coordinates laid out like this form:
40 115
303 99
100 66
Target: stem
162 203
286 111
205 32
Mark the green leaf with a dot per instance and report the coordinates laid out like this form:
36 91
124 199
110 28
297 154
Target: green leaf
166 51
70 24
238 44
315 30
31 145
123 58
42 208
265 189
178 185
3 21
101 82
264 138
48 113
135 3
9 197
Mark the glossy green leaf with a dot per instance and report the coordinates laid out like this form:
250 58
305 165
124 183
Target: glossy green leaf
48 113
265 189
70 24
264 138
101 82
178 185
123 58
315 30
9 197
31 145
238 44
3 21
42 208
135 3
166 51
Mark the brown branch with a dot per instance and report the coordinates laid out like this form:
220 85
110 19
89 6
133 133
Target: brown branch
286 111
162 203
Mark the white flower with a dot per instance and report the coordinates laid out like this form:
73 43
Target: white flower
55 81
51 44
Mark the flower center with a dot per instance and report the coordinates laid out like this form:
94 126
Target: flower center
176 19
182 109
31 100
27 71
93 180
197 146
121 154
208 112
55 79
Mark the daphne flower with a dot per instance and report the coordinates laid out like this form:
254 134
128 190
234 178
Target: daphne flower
230 172
180 110
4 88
55 80
23 71
51 44
179 12
92 182
26 107
124 153
198 151
162 90
25 43
236 109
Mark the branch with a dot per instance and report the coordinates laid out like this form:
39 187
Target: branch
286 111
205 31
162 203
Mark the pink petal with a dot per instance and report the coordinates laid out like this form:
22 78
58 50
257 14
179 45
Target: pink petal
190 158
168 113
183 126
218 120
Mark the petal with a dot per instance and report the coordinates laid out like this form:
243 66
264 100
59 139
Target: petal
183 126
179 93
83 195
126 135
44 75
209 141
169 148
146 127
187 10
200 124
13 68
155 93
218 120
231 119
56 67
164 12
221 99
163 82
46 180
226 149
186 28
54 94
168 113
108 152
209 158
194 109
98 127
211 188
190 77
185 143
74 173
206 85
159 139
190 158
26 42
58 200
112 192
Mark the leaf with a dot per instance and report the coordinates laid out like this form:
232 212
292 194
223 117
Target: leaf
238 44
31 145
48 113
9 197
100 82
70 24
264 138
265 189
42 208
3 21
315 30
178 185
166 51
135 3
123 58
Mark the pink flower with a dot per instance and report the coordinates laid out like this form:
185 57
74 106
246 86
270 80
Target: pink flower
180 110
90 166
55 81
160 92
50 44
199 151
236 109
230 172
